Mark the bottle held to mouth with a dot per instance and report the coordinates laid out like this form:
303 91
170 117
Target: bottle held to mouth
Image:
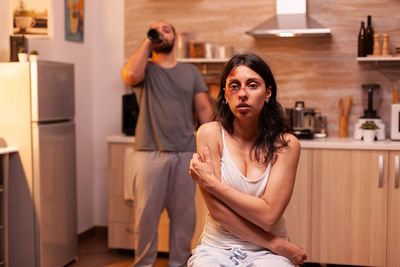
155 36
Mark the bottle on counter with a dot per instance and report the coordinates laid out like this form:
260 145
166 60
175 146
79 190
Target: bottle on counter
369 37
361 40
385 45
377 45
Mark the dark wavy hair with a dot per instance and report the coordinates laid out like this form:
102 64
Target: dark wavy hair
272 121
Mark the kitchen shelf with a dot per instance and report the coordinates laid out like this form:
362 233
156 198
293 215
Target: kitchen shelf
203 60
379 59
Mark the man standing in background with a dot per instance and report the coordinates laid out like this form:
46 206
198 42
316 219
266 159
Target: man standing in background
167 91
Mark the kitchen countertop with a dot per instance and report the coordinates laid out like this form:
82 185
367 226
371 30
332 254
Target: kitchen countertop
327 143
120 138
6 150
349 143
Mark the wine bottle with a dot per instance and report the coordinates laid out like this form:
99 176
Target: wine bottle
369 37
361 40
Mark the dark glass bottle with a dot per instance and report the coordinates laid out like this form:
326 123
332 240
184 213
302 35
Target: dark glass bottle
155 36
369 37
361 41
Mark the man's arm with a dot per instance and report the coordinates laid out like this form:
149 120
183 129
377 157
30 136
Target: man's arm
203 107
134 69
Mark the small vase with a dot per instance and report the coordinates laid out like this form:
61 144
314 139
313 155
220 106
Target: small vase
369 135
22 57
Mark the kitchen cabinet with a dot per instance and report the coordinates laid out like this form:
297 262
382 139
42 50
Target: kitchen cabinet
393 242
349 207
298 212
350 198
355 207
120 212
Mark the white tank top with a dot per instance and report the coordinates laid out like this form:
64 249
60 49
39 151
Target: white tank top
213 233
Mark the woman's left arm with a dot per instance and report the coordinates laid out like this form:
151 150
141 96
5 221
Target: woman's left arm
263 211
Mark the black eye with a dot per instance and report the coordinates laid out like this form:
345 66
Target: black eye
234 87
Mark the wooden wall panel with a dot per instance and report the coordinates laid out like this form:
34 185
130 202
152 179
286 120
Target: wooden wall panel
316 70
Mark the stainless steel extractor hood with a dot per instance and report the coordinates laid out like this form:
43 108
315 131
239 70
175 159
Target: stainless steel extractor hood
291 20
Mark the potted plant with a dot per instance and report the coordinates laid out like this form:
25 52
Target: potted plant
369 131
22 55
33 56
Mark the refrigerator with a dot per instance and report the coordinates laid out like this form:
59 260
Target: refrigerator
37 116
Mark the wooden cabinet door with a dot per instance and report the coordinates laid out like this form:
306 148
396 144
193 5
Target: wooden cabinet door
121 215
349 207
115 168
393 247
298 212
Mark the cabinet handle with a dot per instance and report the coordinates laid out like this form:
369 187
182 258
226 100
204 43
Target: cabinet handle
380 163
129 230
396 171
129 202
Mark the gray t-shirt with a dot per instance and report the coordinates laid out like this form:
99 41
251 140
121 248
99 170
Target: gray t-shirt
166 98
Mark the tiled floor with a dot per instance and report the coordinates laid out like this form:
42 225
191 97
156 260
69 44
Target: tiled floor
93 252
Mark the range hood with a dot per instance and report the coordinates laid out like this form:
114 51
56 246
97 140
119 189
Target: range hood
291 20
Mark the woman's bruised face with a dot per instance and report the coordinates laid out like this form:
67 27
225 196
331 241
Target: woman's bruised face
245 91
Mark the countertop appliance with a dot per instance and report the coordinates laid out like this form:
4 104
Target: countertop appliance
130 114
300 120
395 122
395 115
370 112
37 116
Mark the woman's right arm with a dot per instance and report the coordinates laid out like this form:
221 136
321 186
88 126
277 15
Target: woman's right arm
209 135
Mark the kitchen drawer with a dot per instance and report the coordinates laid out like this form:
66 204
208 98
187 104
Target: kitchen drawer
116 183
120 210
116 160
121 235
121 226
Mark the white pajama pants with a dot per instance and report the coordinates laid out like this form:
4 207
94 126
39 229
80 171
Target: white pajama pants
206 255
161 180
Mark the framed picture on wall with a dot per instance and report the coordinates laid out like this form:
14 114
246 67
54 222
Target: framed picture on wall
30 18
74 18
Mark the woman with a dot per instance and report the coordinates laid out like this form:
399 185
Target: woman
246 167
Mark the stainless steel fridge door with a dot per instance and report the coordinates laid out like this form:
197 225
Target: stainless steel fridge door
54 164
52 91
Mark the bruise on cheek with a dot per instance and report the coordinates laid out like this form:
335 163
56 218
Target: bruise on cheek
230 77
228 93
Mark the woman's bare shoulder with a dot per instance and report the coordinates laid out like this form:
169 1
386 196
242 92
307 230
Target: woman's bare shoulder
209 130
292 141
209 134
